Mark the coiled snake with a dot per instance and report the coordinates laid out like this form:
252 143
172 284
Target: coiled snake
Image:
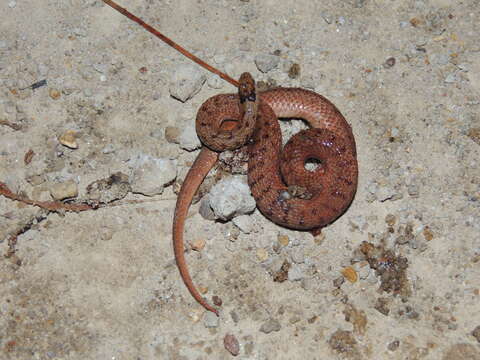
285 191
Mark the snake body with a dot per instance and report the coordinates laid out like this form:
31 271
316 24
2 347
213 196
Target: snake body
284 190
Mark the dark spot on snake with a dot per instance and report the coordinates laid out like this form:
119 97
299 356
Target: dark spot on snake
345 180
314 211
266 136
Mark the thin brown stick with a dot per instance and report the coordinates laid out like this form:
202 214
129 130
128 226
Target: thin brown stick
48 205
11 125
171 42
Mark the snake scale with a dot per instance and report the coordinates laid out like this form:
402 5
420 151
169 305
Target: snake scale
284 190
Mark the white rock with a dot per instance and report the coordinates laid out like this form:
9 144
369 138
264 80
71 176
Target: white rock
215 82
296 272
188 138
210 320
266 62
244 223
231 197
150 175
451 78
64 190
297 254
186 81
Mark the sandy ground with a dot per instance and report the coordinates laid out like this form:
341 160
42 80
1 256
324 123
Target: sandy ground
103 284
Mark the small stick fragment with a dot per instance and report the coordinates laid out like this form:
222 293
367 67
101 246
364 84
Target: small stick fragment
10 125
27 159
170 42
36 85
48 205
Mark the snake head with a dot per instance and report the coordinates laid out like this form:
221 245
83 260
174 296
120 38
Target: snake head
246 88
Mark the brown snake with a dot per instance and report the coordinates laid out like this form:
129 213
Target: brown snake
285 192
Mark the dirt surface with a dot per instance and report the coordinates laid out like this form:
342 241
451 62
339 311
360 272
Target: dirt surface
396 277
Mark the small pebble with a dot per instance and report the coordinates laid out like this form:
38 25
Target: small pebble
244 223
394 345
270 325
210 320
54 94
150 175
427 233
297 254
215 82
172 133
358 222
283 240
350 274
186 81
390 62
231 344
282 274
319 238
198 244
390 219
68 139
217 301
451 78
231 197
412 190
262 254
234 316
108 149
266 62
106 190
294 71
338 281
363 270
188 138
474 134
383 305
296 272
205 210
65 190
